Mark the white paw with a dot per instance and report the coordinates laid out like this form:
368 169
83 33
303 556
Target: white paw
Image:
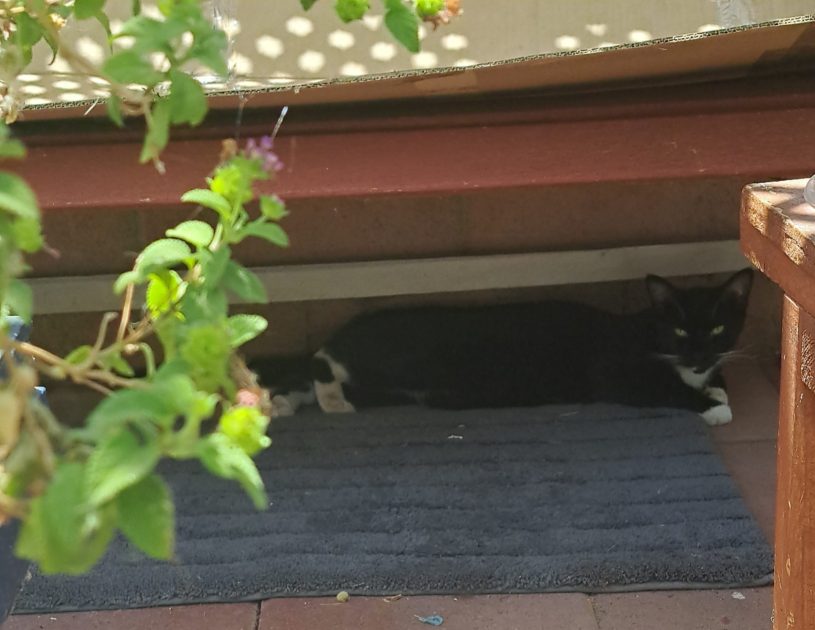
717 394
335 405
718 415
331 398
281 407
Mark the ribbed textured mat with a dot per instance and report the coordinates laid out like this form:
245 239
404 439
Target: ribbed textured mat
415 501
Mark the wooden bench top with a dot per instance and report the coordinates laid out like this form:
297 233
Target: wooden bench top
778 237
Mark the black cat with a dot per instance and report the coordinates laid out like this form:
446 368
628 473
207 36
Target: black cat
533 354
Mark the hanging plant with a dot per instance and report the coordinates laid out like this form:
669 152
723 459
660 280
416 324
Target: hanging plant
73 488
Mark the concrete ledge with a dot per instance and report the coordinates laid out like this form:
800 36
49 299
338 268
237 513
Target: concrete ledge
297 283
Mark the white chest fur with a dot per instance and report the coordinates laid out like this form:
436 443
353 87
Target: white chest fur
691 378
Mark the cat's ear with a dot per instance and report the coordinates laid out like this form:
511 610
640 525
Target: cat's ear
663 294
737 288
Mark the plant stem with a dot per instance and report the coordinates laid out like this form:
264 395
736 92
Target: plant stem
126 307
78 374
107 318
149 358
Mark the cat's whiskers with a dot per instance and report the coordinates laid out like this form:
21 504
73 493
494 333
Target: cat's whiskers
733 355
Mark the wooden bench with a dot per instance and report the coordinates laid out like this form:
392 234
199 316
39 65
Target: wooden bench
778 236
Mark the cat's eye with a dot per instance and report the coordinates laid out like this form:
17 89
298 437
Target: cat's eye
718 330
680 332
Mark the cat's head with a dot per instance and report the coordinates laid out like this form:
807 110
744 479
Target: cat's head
697 327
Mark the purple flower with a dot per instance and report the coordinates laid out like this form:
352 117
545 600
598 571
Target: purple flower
263 150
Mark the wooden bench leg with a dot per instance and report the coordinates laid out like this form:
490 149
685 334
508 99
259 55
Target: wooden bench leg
794 594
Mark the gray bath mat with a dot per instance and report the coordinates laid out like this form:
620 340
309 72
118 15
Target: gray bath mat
414 501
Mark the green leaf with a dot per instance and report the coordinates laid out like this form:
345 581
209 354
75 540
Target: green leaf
184 442
79 355
162 292
206 351
84 9
26 53
63 533
206 305
122 367
17 198
120 461
267 231
195 232
165 7
169 395
147 517
28 31
224 458
128 277
53 44
27 234
151 35
117 363
114 106
429 8
272 208
214 265
131 405
246 427
307 4
208 199
188 104
158 131
130 67
244 283
244 327
179 388
350 10
19 299
12 149
209 47
403 24
169 370
160 254
62 10
103 19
